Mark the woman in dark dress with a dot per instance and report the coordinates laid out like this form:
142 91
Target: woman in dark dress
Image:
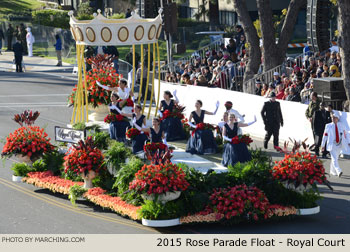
234 153
172 127
202 141
156 132
117 129
139 120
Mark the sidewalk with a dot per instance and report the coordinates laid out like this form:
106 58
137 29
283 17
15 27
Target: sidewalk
32 64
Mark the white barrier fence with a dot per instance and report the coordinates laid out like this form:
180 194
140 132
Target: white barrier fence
296 126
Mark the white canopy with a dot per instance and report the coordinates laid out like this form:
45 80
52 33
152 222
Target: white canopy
101 31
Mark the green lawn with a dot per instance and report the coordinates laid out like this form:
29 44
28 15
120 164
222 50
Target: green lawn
7 6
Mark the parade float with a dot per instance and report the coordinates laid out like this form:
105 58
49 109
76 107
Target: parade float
154 191
159 193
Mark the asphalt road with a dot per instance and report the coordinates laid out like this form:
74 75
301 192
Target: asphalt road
26 209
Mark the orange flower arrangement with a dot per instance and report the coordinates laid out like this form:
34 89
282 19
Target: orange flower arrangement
46 180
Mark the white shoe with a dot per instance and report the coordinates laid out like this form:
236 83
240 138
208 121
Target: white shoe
334 174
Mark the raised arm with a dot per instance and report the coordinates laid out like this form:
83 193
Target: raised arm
216 109
106 87
247 124
176 99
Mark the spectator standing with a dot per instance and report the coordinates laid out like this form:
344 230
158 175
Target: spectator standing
319 121
58 47
30 41
128 13
18 51
129 58
9 34
239 32
231 47
22 36
272 116
1 38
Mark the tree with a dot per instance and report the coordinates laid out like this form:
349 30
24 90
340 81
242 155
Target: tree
344 37
274 53
214 12
202 11
254 51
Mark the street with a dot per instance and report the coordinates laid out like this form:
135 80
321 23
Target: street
26 209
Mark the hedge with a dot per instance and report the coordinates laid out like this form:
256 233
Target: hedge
43 17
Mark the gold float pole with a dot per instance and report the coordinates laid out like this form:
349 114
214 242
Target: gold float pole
78 111
141 79
155 114
153 74
85 86
77 117
76 93
133 68
148 68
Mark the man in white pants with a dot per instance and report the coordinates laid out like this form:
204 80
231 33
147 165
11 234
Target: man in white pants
30 41
337 140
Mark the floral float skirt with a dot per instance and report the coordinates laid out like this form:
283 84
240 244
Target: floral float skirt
234 153
202 142
173 129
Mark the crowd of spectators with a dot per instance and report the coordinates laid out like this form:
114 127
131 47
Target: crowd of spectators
217 68
299 84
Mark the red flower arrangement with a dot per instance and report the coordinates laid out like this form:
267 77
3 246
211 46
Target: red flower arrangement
84 157
176 113
242 139
31 141
159 179
203 126
157 153
300 168
151 147
97 95
115 118
238 201
132 133
26 118
129 103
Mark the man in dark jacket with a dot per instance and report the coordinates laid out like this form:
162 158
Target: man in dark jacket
9 34
272 116
319 121
18 51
